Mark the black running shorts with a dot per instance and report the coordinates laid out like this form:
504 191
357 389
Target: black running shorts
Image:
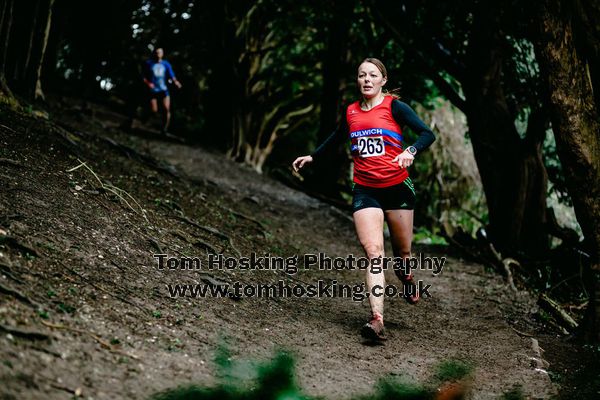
159 95
397 197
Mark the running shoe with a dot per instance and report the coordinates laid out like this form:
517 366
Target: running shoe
373 330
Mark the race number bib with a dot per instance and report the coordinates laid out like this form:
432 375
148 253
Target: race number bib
371 146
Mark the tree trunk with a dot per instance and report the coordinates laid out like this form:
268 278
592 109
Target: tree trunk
512 172
31 40
576 126
5 29
335 167
221 97
511 169
42 31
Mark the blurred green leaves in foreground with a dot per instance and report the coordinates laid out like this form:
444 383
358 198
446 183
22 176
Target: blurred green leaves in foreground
275 380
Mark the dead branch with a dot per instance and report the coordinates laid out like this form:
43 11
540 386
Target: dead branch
561 316
97 338
32 335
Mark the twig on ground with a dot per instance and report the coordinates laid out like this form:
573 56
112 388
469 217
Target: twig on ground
520 333
8 128
120 193
562 317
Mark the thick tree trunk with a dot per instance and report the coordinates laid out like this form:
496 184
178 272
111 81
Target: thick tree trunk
576 126
512 172
587 33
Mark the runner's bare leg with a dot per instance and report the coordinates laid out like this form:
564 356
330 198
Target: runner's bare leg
400 223
167 112
369 229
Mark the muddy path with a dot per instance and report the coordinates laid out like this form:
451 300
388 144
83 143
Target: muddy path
85 311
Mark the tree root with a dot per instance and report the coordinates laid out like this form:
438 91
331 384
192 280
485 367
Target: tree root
182 217
129 152
101 289
7 270
10 162
155 244
97 338
17 295
263 228
14 243
193 241
32 335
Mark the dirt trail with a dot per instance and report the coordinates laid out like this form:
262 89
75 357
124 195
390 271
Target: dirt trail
94 287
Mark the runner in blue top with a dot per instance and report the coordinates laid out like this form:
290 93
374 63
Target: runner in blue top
157 72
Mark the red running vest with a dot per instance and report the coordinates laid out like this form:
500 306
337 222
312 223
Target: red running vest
375 139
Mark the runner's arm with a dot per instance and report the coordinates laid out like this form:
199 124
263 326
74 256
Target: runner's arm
147 75
405 115
335 139
172 74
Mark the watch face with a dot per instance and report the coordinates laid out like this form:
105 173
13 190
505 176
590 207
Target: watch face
412 150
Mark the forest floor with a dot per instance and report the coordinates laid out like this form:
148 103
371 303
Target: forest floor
85 311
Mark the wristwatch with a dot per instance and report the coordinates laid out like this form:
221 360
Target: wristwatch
412 150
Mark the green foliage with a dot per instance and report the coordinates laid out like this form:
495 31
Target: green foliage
425 236
453 370
275 380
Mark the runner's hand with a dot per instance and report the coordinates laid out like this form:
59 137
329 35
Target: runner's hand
300 161
404 159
